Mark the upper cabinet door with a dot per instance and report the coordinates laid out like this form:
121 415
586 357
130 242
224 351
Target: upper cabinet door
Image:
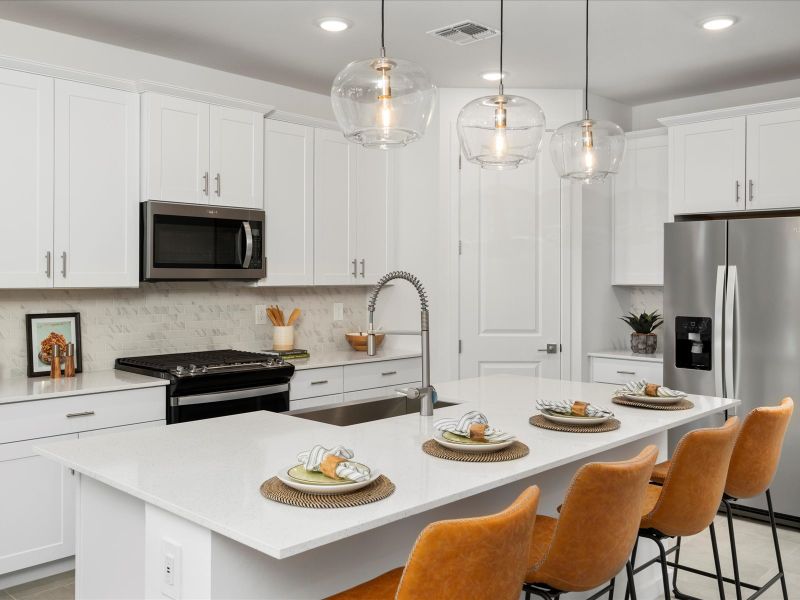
175 150
772 142
289 203
335 259
26 170
237 157
708 166
96 239
639 212
373 207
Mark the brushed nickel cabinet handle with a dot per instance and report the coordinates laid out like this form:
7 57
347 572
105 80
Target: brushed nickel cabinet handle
389 373
355 268
205 183
363 266
86 413
218 179
627 372
47 257
64 264
750 185
320 382
738 185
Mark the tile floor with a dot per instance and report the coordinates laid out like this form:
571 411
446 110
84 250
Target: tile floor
754 540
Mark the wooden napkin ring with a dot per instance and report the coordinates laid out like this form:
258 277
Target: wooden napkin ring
651 389
579 408
477 431
329 464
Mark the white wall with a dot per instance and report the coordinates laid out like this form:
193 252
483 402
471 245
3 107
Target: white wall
52 48
646 116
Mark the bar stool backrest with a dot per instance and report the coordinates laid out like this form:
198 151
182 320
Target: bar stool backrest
483 557
598 524
695 481
757 451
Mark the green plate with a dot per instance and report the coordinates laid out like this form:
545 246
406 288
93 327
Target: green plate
460 439
299 473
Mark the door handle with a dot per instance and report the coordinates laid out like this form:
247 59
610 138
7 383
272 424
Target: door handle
363 266
355 268
205 183
218 179
248 251
550 349
738 185
750 188
716 349
64 264
730 299
47 257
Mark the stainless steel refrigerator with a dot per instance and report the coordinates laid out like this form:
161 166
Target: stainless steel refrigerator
732 326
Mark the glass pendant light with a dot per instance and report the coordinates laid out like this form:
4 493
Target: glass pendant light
383 102
500 131
587 150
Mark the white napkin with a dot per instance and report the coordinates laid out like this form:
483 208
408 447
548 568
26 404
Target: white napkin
637 387
564 407
461 427
312 461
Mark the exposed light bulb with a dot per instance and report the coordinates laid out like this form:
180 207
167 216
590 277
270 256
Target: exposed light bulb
385 112
385 109
587 139
500 139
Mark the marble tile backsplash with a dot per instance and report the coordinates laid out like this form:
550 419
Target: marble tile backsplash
177 317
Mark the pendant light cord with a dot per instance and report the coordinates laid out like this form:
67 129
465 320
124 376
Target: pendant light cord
586 69
383 27
502 31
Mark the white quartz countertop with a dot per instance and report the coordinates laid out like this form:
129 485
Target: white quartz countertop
658 357
216 466
23 389
339 358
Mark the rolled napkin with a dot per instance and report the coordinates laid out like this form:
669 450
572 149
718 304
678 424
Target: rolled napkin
642 388
578 408
473 425
336 463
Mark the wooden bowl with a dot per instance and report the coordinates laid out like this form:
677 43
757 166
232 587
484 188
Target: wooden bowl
358 341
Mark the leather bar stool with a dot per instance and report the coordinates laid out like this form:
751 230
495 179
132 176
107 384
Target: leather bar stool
689 498
754 462
482 558
591 540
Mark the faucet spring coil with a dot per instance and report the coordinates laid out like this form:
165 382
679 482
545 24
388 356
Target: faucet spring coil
412 279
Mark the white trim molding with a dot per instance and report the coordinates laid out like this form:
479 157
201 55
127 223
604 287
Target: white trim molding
733 111
645 133
297 119
38 68
200 96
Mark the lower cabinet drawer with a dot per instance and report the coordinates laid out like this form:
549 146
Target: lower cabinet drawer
381 392
386 373
315 382
609 370
316 401
71 414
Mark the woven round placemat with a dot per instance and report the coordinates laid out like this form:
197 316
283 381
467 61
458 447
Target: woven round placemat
540 421
512 452
274 489
683 404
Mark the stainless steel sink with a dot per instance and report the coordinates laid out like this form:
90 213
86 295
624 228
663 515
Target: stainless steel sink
363 411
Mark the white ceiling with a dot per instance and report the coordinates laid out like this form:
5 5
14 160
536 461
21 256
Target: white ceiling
641 50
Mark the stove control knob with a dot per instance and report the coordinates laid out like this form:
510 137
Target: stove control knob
192 369
204 369
270 361
278 360
179 369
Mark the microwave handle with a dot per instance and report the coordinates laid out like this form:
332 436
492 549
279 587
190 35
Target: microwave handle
248 250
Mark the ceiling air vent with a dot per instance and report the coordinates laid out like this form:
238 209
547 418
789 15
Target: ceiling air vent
465 32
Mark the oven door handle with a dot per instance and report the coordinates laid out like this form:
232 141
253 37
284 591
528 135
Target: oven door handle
225 396
248 250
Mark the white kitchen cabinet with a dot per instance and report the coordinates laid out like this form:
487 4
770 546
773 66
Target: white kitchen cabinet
175 149
772 150
335 259
37 506
707 166
237 156
96 233
639 211
393 391
289 203
373 234
26 169
620 367
201 153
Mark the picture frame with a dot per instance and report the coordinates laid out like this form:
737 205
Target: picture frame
65 327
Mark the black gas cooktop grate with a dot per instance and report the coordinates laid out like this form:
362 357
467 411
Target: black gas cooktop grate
209 358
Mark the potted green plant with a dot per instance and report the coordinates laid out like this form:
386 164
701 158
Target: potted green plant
643 340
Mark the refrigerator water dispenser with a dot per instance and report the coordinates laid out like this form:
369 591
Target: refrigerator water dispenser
693 343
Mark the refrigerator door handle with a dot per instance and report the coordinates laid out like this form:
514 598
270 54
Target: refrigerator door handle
716 351
730 299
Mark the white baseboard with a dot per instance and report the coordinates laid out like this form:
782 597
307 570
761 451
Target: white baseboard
38 572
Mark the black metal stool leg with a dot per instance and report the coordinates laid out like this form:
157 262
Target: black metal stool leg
777 545
677 562
631 585
717 566
734 555
611 588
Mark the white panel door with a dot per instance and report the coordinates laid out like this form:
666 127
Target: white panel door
772 152
175 149
510 270
96 238
335 260
373 207
237 157
640 210
26 170
289 203
37 506
708 166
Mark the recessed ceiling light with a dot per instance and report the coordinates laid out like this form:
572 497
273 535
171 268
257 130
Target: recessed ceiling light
333 24
717 23
494 75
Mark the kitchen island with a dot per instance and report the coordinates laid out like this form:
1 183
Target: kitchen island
188 496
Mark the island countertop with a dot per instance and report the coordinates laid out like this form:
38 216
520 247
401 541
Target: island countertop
209 472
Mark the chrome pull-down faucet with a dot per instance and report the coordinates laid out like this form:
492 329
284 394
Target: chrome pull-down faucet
426 393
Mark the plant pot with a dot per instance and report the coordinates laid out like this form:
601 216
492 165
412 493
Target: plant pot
644 343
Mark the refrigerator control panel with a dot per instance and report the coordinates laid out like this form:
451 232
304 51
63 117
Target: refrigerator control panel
693 343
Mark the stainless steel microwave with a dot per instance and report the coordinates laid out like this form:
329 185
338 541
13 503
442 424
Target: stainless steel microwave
198 241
